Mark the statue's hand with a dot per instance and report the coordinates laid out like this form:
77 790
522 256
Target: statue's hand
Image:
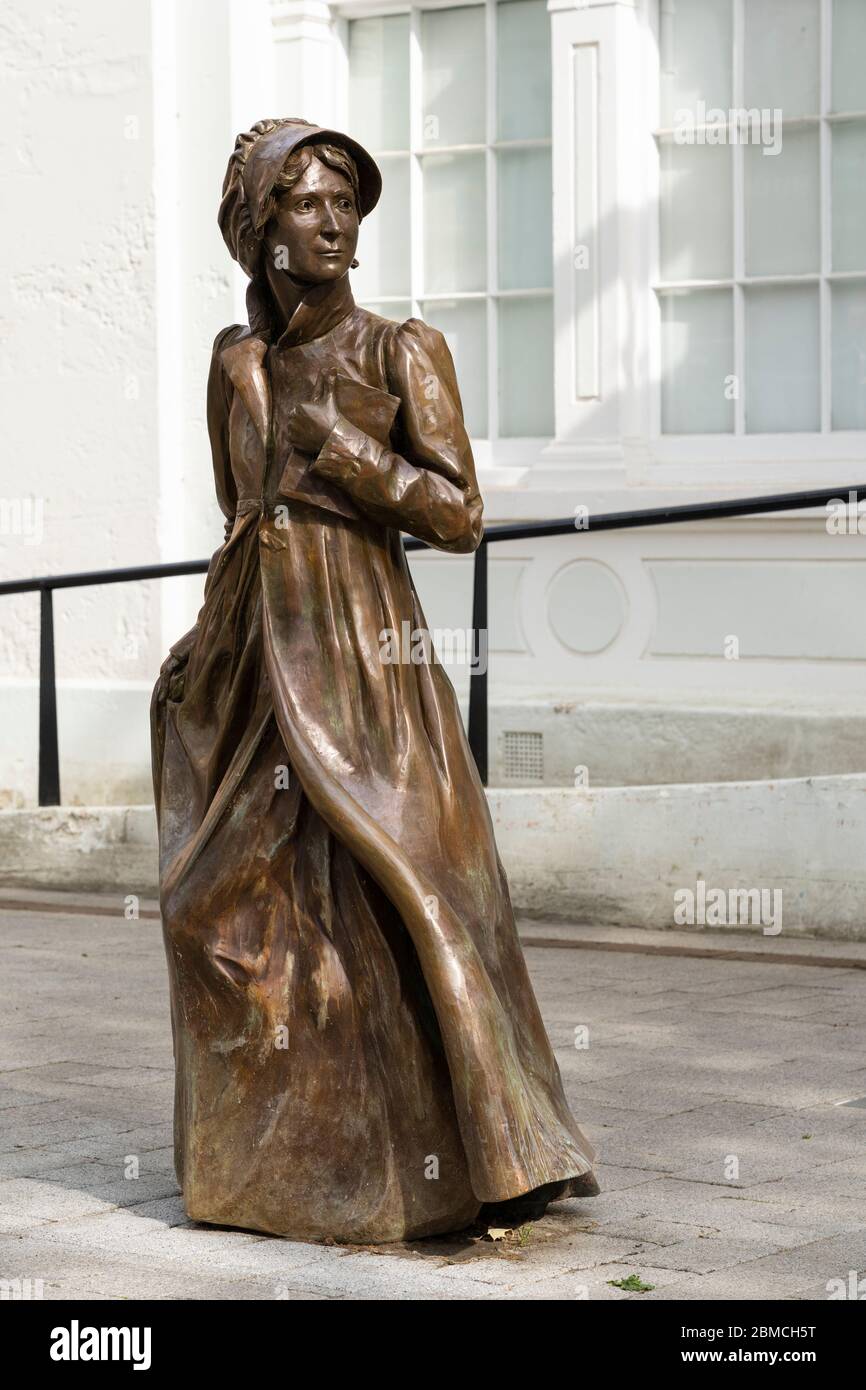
172 672
177 683
311 423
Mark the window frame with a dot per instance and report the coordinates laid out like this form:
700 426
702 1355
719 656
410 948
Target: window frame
612 437
491 449
739 446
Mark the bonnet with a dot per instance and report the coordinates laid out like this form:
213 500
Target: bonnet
253 168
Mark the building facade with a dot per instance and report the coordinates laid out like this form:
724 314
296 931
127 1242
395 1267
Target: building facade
640 225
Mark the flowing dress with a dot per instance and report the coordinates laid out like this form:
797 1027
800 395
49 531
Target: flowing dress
359 1054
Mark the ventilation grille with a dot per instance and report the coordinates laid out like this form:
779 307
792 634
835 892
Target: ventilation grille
523 757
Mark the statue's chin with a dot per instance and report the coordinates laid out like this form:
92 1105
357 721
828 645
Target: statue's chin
320 275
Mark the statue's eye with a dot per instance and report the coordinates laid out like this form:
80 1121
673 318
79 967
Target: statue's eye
304 205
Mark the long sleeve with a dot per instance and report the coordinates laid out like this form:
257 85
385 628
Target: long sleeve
219 399
428 487
219 393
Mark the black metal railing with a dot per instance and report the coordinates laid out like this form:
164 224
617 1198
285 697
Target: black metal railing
49 760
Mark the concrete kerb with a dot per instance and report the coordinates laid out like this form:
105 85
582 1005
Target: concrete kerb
612 856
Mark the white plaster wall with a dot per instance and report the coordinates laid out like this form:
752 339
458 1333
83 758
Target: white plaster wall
78 355
192 48
77 363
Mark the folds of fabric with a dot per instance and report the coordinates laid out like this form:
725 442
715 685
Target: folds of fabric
328 864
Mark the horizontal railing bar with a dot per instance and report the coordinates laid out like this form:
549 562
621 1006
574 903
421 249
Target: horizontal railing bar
501 531
75 581
664 516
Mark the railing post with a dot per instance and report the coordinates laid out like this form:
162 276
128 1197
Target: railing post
478 669
49 762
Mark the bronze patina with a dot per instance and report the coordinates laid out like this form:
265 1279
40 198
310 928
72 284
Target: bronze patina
359 1053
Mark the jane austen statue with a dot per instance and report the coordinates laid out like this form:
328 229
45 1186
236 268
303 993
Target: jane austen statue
359 1054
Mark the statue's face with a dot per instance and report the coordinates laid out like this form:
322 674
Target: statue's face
314 232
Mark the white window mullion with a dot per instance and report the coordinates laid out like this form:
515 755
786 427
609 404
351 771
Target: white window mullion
341 72
437 68
658 17
740 359
825 176
492 224
416 174
739 211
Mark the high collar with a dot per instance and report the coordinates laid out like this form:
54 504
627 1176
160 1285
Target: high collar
318 309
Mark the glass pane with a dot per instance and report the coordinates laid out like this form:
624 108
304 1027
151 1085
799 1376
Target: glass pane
464 323
782 206
849 196
383 244
523 70
697 336
696 222
696 50
525 367
782 359
379 82
525 213
782 47
849 356
453 56
398 310
455 223
849 55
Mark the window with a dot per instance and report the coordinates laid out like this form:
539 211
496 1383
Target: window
455 105
762 180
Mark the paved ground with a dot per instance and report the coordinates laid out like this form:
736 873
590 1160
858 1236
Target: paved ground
714 1088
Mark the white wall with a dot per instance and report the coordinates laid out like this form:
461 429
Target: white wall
78 362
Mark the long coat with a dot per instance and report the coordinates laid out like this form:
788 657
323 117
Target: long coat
359 1053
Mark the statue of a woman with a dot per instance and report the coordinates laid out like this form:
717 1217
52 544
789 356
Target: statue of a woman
358 1049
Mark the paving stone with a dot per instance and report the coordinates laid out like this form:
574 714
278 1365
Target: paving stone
50 1133
699 1138
618 1177
703 1255
713 1205
640 1092
728 1285
827 1215
17 1100
107 1182
601 1281
579 1250
833 1257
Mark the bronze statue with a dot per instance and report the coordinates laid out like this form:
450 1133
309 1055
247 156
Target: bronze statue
359 1053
